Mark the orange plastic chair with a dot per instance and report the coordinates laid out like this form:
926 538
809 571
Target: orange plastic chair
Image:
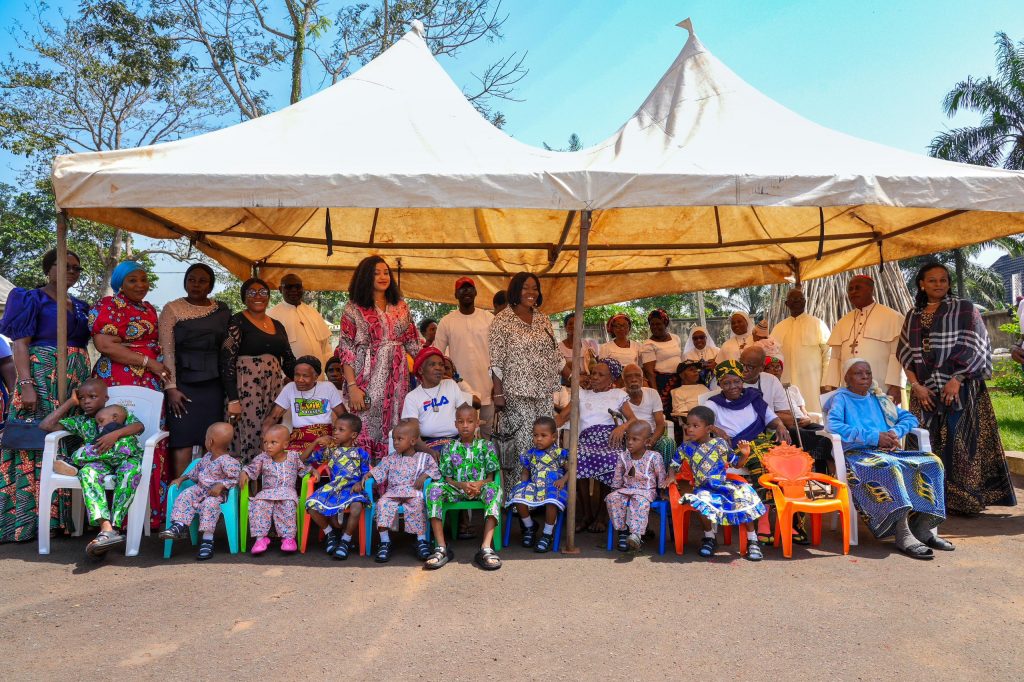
310 483
681 514
789 469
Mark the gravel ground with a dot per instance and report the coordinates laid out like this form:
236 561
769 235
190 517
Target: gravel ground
871 615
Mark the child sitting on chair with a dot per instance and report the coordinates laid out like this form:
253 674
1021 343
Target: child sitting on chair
277 500
717 499
545 473
468 465
214 475
347 465
111 449
639 472
403 472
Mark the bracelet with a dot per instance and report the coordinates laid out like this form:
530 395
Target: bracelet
499 395
26 381
232 402
145 360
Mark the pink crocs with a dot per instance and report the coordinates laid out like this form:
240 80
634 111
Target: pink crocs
261 546
289 545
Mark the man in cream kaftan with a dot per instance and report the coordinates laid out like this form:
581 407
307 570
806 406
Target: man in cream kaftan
804 341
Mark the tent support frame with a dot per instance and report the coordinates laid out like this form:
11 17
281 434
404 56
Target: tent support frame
577 358
62 305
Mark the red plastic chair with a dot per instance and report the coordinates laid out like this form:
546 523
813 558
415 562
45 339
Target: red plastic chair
681 514
309 484
789 469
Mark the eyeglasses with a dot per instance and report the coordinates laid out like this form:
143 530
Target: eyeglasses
257 293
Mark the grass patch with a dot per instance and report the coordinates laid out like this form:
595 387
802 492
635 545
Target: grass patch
1010 415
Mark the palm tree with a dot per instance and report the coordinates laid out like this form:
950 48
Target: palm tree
998 140
752 300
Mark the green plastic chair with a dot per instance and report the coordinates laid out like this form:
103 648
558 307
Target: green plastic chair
228 512
453 532
243 512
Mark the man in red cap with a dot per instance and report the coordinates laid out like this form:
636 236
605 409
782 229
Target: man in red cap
870 331
462 336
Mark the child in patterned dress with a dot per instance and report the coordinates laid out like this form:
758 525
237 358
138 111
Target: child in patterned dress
110 450
639 472
718 499
347 465
403 472
545 473
467 466
277 500
214 475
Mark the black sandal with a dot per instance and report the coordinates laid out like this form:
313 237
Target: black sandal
529 535
342 548
487 559
919 551
332 543
205 550
102 543
941 544
383 554
423 550
754 552
438 558
623 544
544 544
176 531
708 547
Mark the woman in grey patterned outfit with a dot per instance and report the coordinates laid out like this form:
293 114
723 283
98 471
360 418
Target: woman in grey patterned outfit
525 364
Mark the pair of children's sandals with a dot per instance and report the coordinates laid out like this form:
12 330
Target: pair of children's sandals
383 553
337 547
709 545
530 540
628 542
485 557
177 531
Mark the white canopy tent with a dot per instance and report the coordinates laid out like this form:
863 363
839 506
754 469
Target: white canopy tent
710 184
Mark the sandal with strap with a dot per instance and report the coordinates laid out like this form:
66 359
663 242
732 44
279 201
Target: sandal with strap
383 554
487 559
918 551
438 558
623 543
102 543
205 550
941 544
423 550
754 551
529 536
708 547
176 531
342 548
332 543
544 544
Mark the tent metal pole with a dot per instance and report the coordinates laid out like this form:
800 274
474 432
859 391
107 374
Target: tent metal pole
62 305
700 310
577 358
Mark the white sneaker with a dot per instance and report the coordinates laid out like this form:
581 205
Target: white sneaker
63 468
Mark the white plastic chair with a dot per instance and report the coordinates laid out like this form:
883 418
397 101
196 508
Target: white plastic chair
146 405
924 442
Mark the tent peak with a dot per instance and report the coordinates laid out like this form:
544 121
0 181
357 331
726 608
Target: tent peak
417 27
686 23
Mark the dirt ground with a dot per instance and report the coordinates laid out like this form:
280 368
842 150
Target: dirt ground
874 614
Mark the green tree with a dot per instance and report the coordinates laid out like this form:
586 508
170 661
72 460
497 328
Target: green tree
755 301
574 144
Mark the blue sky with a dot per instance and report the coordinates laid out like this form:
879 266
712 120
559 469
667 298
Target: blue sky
877 70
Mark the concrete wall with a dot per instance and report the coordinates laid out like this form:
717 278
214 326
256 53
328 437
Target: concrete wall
999 339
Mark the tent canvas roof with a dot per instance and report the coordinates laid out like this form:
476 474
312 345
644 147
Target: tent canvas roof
710 184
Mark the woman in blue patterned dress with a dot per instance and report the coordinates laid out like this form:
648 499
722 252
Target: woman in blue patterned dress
545 473
897 492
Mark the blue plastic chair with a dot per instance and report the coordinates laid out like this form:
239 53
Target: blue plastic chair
555 546
371 514
228 512
660 506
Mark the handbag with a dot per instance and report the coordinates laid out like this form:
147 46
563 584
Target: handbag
22 435
504 443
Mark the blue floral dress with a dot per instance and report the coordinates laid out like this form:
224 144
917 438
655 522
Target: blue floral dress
545 467
346 467
717 498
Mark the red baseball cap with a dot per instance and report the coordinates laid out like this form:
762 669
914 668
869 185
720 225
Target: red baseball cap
462 281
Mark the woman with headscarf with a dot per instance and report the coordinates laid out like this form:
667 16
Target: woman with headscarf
944 349
192 330
772 348
255 360
124 331
661 355
605 414
898 492
377 333
741 414
701 348
30 320
434 401
621 348
742 335
312 405
588 348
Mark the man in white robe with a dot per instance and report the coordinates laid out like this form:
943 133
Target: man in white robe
308 333
804 341
870 331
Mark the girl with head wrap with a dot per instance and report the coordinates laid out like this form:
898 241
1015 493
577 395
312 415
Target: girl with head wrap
311 405
192 330
660 355
604 416
124 331
701 348
887 483
741 335
621 347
